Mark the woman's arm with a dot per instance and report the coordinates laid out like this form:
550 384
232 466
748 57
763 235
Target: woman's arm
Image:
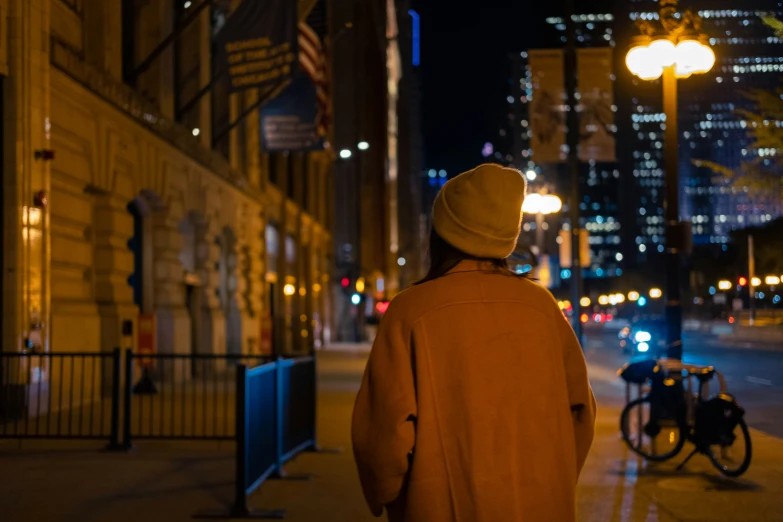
383 418
580 394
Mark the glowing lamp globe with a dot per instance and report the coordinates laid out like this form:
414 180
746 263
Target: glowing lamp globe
551 204
706 60
532 204
662 52
636 59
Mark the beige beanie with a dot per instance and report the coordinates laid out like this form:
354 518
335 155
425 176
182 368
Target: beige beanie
480 211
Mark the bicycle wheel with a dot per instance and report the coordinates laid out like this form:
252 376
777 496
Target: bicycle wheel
731 456
650 432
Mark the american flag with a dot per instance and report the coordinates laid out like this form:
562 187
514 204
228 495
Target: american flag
313 62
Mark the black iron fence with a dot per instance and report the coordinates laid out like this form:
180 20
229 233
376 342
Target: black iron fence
267 406
60 396
182 396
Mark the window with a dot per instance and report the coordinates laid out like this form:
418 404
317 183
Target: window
274 169
187 69
128 39
291 175
305 184
220 98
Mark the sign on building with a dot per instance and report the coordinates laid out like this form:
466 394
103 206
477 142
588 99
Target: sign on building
291 120
258 47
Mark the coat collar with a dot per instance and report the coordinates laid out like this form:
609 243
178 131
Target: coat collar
471 265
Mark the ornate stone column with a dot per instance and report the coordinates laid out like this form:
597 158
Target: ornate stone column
213 322
113 264
172 318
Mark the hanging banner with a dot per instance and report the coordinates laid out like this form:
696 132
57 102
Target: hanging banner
290 121
596 117
547 118
257 47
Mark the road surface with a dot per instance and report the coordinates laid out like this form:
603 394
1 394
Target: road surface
753 375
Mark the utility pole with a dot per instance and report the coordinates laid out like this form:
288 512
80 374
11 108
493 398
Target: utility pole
572 140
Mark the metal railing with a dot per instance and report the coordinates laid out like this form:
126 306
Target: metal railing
267 407
187 396
276 405
60 395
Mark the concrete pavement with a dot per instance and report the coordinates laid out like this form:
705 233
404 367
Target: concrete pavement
156 482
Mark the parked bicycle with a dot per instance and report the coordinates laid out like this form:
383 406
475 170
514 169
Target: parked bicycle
657 424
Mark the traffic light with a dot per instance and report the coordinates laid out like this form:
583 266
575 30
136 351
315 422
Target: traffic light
345 282
743 281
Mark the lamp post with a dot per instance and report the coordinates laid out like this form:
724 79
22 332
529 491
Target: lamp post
674 48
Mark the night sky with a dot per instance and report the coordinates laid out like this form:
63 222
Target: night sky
465 73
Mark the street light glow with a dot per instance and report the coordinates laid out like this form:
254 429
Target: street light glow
345 153
363 145
655 293
689 56
633 296
289 289
772 280
531 175
585 301
541 204
724 285
603 300
755 282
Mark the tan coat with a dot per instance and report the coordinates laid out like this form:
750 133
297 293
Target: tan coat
475 404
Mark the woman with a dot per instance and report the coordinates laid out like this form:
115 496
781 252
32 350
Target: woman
475 404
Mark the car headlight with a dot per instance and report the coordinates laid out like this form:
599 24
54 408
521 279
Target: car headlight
642 337
642 347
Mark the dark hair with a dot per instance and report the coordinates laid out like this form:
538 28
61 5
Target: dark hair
444 257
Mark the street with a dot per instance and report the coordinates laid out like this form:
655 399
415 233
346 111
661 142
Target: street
754 375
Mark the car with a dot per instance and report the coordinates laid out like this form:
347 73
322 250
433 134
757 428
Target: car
644 336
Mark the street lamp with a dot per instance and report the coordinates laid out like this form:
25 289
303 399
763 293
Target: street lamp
541 205
674 47
724 285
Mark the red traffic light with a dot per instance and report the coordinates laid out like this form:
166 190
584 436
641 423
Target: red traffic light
743 281
345 282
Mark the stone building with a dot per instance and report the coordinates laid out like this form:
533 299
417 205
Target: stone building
147 206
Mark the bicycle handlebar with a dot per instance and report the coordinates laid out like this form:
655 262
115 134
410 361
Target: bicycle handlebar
675 365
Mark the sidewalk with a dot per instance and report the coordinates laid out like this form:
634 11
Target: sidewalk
156 484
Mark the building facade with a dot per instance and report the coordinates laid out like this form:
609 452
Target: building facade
150 206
